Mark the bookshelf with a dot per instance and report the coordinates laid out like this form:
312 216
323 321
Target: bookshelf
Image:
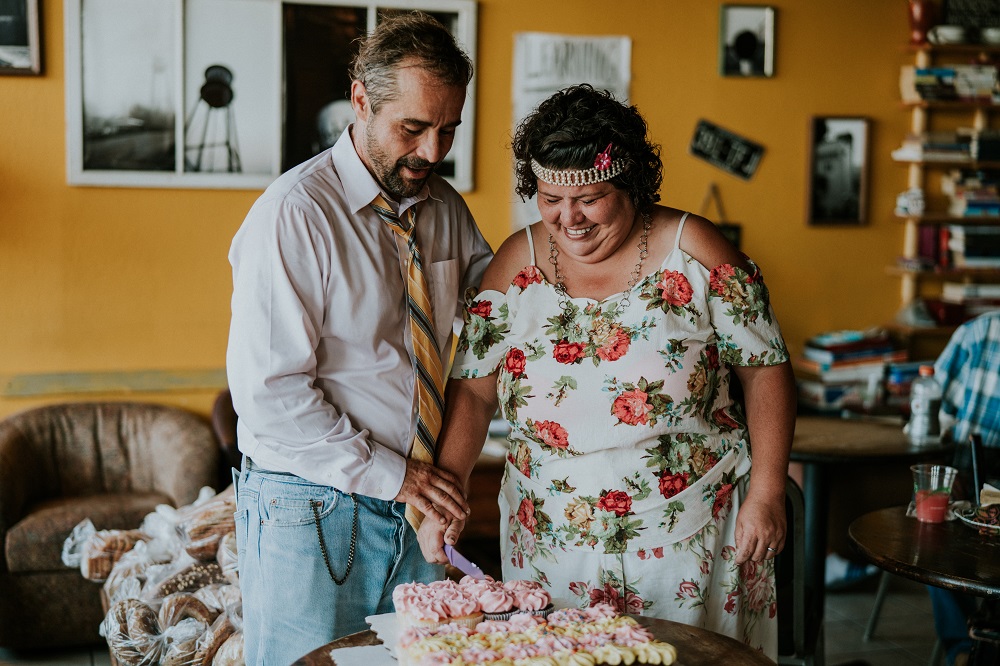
927 173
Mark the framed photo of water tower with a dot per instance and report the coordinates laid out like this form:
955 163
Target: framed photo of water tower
838 170
746 40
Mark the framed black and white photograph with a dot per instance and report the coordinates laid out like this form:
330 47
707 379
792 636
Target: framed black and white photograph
838 170
746 40
222 93
20 47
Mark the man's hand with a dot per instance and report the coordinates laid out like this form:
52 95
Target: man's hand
434 492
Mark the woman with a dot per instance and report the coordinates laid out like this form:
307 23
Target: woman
609 333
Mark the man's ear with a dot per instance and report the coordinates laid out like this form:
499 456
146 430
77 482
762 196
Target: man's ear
360 102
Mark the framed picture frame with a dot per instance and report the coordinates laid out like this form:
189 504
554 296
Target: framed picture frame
838 170
20 38
223 94
746 40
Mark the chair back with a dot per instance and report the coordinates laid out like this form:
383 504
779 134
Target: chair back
800 633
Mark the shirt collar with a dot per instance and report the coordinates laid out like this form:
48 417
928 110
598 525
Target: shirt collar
360 186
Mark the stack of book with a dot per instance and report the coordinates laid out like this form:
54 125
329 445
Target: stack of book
965 82
971 193
844 369
975 299
974 246
935 147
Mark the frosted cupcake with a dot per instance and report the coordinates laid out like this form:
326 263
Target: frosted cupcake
419 605
529 597
497 603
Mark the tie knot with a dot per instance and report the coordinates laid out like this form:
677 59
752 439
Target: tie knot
401 226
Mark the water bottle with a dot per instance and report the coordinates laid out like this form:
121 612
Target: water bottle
925 402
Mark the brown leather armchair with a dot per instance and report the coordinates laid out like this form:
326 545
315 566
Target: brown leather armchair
111 462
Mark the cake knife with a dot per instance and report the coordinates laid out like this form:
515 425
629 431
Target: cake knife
463 564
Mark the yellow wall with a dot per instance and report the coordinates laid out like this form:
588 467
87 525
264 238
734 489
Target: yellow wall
111 280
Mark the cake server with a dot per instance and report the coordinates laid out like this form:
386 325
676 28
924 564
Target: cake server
462 563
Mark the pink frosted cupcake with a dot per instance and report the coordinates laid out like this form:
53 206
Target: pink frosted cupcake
419 605
529 597
497 603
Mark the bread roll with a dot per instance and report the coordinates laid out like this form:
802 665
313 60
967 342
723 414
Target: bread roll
228 558
190 579
103 549
231 652
205 526
133 633
181 605
212 640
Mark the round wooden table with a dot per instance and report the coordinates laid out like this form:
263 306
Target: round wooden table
695 647
821 442
951 554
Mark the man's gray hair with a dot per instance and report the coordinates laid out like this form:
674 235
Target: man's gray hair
412 39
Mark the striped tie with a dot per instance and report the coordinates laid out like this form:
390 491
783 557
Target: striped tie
427 358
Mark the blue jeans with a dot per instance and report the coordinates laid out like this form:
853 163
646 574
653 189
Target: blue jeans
290 603
951 620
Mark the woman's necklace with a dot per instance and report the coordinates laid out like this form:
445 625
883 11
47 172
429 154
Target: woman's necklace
560 285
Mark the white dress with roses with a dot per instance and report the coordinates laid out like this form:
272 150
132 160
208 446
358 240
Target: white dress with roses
628 458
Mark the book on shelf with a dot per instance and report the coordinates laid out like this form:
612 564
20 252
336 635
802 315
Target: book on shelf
959 292
818 368
848 345
857 372
954 82
821 397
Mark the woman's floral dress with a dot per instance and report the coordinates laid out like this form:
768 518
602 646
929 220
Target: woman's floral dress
628 459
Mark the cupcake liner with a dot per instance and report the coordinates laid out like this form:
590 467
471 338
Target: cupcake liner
506 615
544 612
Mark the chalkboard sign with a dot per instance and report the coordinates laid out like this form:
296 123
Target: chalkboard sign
726 150
971 13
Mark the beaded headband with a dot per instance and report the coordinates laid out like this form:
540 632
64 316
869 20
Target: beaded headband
604 169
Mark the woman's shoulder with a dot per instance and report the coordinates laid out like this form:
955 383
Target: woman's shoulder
702 240
510 259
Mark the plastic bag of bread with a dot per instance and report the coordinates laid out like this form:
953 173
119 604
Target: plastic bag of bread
221 597
103 550
133 565
231 652
180 606
228 558
181 575
204 526
211 641
181 642
132 630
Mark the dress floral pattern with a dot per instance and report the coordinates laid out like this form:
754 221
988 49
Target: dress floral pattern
628 459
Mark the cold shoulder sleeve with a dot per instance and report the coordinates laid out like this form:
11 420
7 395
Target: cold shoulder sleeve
746 328
482 344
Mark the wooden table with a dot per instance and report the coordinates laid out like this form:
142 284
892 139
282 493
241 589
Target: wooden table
951 554
821 442
695 647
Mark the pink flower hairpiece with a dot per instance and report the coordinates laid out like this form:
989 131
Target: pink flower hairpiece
603 160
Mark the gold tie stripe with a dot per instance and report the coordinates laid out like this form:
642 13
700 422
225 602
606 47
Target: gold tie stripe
427 357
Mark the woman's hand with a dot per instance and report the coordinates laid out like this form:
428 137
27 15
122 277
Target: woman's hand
760 529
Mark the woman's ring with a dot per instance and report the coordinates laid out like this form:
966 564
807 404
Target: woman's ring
773 550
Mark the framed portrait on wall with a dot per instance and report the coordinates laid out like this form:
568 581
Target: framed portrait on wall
746 40
222 93
20 47
838 170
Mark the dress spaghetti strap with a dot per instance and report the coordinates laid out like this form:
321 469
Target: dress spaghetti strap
680 228
531 245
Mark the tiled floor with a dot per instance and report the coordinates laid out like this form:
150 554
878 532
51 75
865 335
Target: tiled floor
904 636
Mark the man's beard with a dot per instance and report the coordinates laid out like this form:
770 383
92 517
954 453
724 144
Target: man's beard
390 175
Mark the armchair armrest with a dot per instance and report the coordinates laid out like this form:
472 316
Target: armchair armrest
19 478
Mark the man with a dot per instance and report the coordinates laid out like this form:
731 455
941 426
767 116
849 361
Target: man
328 374
968 371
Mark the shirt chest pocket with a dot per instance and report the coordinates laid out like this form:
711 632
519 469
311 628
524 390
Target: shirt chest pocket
442 281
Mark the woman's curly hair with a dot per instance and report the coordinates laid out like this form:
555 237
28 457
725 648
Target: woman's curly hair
570 128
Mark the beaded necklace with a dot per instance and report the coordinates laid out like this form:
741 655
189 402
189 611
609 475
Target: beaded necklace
560 285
